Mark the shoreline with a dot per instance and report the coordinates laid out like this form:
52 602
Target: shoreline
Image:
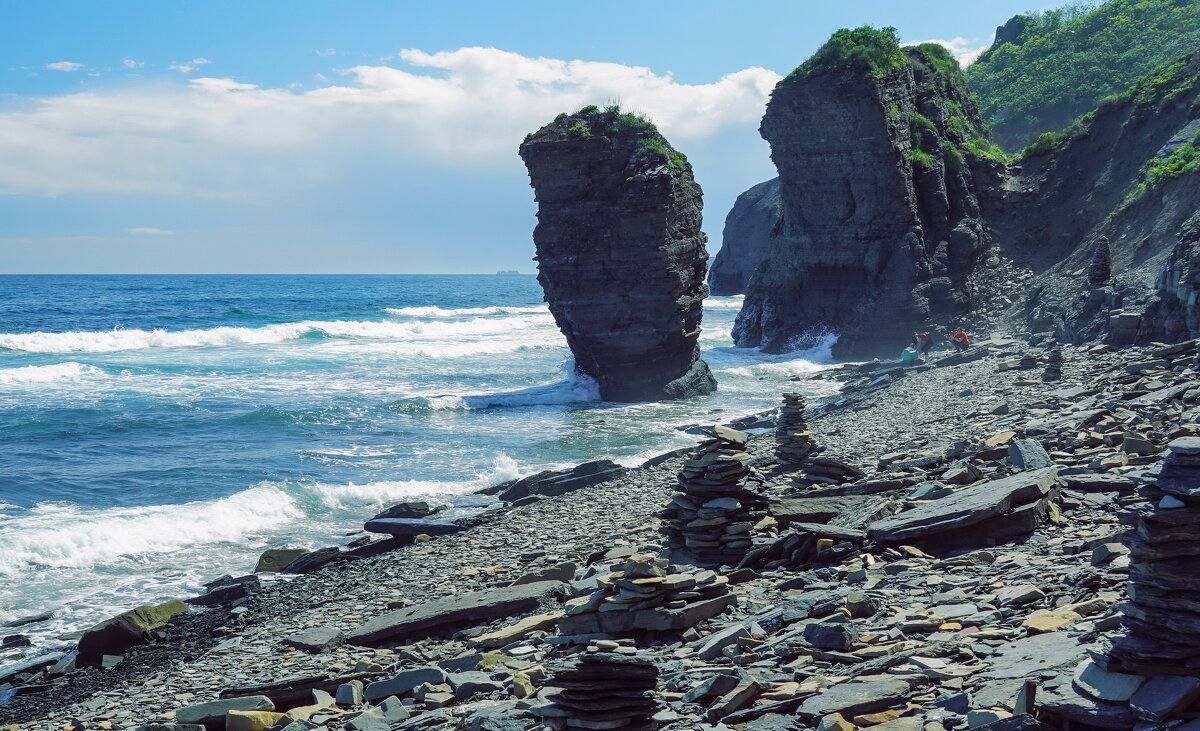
885 416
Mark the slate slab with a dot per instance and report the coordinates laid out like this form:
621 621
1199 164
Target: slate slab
410 527
966 507
463 609
856 697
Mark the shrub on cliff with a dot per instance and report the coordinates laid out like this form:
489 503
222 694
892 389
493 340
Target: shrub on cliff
1047 68
869 49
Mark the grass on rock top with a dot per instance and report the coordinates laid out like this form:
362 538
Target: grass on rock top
593 121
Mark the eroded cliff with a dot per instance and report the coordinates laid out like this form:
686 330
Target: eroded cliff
882 158
746 239
621 257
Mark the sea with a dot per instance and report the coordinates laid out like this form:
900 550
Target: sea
157 432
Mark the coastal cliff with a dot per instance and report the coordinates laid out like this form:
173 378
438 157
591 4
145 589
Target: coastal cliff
621 257
1120 184
881 156
745 241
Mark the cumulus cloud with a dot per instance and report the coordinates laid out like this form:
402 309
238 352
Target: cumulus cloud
129 63
146 231
325 52
189 66
223 138
966 50
64 66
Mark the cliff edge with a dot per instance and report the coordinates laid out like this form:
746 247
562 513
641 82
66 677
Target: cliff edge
621 257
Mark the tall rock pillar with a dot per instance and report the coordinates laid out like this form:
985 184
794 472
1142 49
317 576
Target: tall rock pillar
620 253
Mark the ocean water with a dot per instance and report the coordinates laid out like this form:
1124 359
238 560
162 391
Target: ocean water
159 431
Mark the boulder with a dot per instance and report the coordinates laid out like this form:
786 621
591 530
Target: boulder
274 560
315 639
409 509
312 561
411 527
114 636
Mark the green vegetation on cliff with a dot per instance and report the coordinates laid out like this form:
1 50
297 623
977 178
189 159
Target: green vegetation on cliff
1045 69
612 122
869 49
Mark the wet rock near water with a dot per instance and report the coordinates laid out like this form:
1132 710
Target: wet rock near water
620 252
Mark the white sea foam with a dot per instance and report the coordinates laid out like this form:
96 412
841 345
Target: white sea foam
69 371
117 340
65 536
733 302
575 388
433 311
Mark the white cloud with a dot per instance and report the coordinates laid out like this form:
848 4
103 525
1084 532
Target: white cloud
966 50
129 63
146 231
458 109
325 52
189 66
64 66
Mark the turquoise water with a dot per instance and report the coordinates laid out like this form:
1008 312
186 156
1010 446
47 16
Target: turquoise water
158 431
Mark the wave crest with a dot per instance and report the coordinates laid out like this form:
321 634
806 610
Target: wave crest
434 311
69 371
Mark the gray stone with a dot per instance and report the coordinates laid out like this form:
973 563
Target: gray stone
312 561
403 683
393 709
473 607
1104 685
966 507
315 639
710 688
1029 656
408 509
1017 594
349 694
711 647
214 711
274 559
1164 697
410 527
371 719
831 636
471 683
1027 454
564 571
856 697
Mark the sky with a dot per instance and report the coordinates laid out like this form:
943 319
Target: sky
296 136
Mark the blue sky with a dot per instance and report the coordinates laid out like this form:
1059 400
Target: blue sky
374 137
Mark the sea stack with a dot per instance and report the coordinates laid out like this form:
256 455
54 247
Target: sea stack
621 257
880 150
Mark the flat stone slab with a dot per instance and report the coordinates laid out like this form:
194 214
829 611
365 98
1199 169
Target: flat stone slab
214 711
1029 656
314 639
409 527
856 697
645 620
825 509
966 507
463 609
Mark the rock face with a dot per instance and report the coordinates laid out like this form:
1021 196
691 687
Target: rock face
879 167
620 253
1112 192
745 242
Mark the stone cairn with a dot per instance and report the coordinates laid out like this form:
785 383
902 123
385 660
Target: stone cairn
793 441
648 583
1054 364
611 686
714 515
1163 614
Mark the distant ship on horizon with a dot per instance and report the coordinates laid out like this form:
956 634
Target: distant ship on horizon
508 273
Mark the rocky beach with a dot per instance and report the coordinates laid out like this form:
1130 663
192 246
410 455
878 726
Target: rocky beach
969 568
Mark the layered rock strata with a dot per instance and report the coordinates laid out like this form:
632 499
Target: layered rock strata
746 238
606 688
793 441
714 516
620 253
1162 589
879 170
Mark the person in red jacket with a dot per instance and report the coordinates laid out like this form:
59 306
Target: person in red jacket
960 340
922 343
